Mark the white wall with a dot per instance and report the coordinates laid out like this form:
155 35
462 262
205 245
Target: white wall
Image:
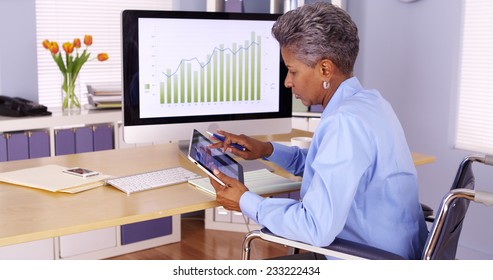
410 53
18 60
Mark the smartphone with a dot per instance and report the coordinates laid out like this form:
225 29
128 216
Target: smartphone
207 159
82 172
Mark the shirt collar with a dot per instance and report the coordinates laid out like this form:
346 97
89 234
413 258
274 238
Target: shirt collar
346 89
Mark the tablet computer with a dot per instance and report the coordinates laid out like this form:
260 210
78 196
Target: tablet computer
208 159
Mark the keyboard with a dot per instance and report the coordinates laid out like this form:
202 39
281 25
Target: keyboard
151 180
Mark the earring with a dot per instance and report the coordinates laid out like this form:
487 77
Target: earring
326 85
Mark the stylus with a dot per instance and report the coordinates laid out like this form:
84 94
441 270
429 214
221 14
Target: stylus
221 138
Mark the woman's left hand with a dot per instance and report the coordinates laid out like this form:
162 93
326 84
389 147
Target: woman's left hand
228 196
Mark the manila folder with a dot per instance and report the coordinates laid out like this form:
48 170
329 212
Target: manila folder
52 178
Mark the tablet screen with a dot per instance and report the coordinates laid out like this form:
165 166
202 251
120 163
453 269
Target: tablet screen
208 159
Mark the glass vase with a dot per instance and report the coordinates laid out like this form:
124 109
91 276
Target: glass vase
71 94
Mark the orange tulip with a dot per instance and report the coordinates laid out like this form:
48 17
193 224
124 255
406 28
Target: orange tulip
68 47
53 47
103 56
77 43
87 40
46 44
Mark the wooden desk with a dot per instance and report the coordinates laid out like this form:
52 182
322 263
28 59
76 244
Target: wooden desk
29 214
419 159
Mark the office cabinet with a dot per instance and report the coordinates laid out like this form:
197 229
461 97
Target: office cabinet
146 230
3 147
222 215
17 146
64 142
103 137
39 143
83 140
24 145
86 242
35 250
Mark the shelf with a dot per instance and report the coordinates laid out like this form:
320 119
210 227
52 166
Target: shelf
58 120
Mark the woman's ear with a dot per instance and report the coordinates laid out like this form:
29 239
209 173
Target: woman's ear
326 68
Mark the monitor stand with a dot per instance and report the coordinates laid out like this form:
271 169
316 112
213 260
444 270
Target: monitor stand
184 145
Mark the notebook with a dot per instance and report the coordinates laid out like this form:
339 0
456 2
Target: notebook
260 181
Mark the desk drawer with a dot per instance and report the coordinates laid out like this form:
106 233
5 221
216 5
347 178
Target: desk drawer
85 242
35 250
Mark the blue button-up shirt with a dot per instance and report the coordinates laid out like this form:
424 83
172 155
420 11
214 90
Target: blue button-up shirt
359 180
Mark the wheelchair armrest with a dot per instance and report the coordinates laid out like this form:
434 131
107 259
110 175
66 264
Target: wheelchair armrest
339 248
428 213
362 250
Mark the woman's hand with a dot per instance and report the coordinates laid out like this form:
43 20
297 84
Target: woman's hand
254 148
228 196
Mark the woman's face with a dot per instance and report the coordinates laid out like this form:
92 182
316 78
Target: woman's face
305 82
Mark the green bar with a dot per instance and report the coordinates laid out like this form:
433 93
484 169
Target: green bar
259 66
182 83
175 88
209 82
189 83
168 86
228 77
240 74
252 66
247 77
221 72
202 85
147 86
214 77
161 92
234 91
196 86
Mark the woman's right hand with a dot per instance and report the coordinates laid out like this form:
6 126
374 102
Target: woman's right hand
254 149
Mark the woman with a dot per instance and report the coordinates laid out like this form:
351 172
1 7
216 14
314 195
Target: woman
359 181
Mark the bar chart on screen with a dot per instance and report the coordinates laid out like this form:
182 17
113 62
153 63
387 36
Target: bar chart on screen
209 70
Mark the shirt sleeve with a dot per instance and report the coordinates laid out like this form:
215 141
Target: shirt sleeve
291 159
340 163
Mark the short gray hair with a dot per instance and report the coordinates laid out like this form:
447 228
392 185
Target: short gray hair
319 31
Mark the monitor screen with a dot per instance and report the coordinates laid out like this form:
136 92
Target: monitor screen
201 70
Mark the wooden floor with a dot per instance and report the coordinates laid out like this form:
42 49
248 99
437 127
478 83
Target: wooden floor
198 243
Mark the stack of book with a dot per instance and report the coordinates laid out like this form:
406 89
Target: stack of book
104 96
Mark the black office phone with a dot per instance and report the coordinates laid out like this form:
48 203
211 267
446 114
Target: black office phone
19 107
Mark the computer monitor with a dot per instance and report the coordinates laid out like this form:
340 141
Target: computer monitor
201 70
